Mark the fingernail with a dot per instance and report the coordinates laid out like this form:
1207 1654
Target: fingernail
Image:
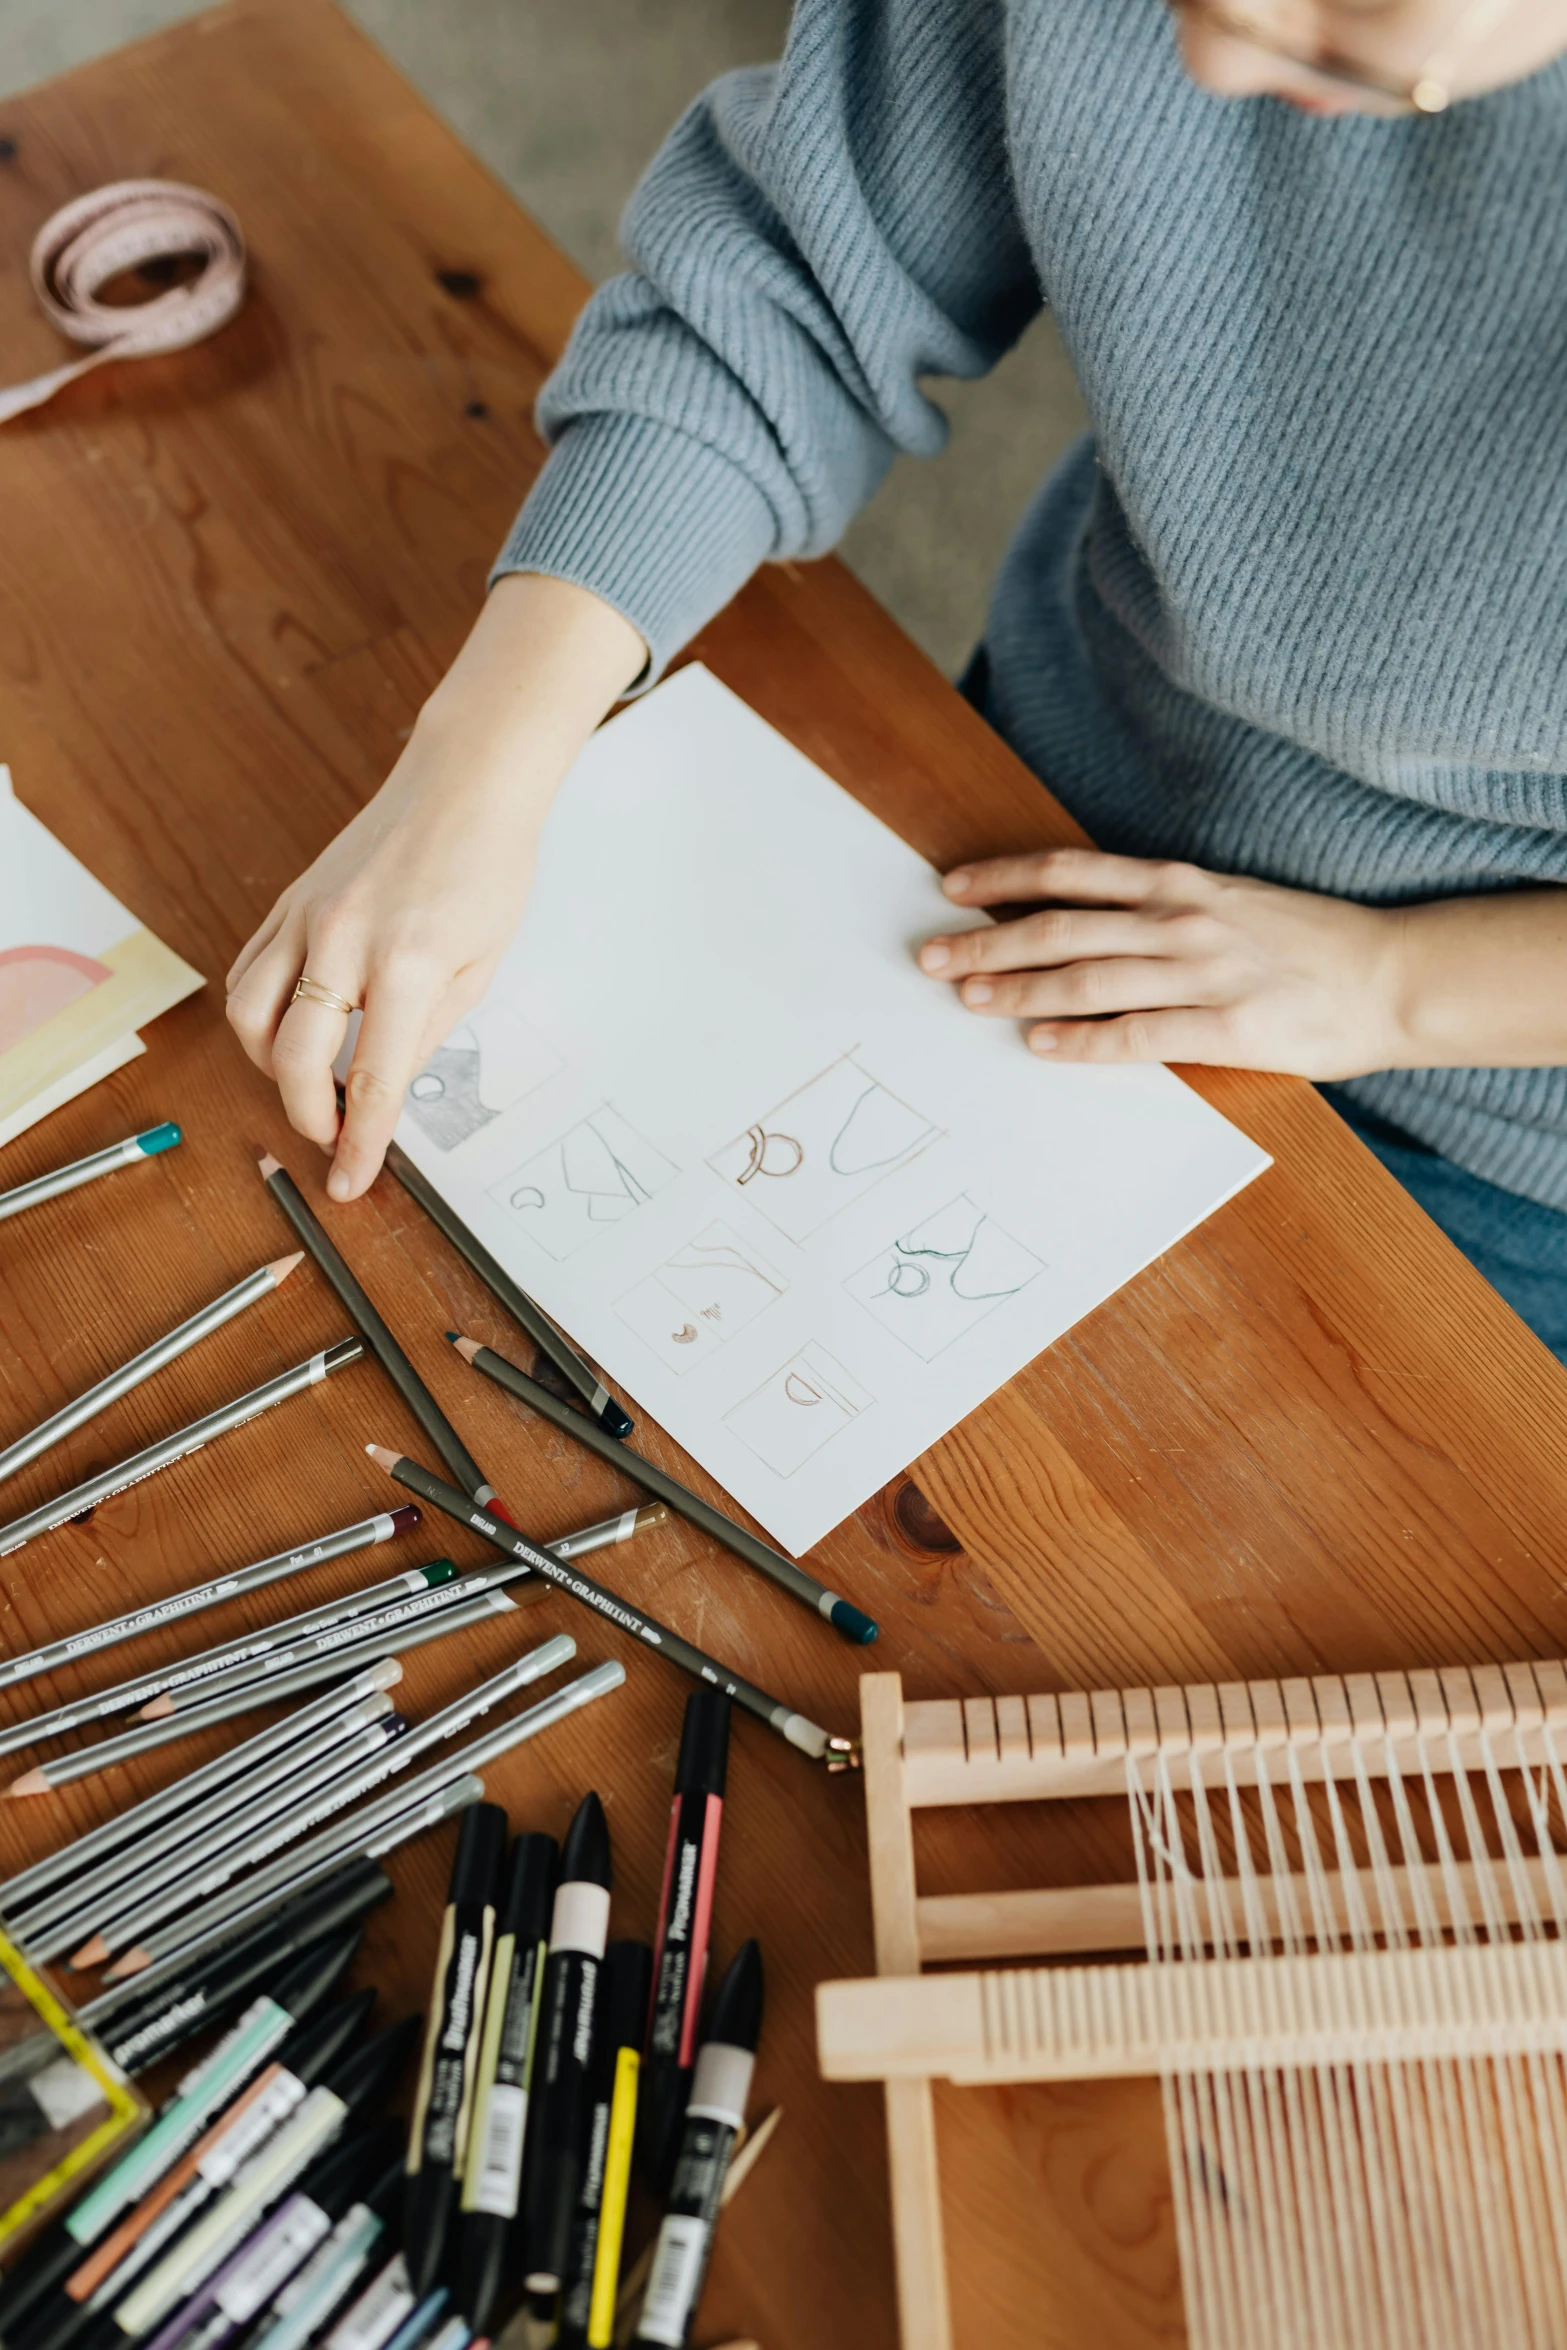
338 1184
959 881
978 991
1042 1041
935 957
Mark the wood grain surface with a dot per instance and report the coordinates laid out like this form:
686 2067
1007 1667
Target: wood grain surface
1309 1438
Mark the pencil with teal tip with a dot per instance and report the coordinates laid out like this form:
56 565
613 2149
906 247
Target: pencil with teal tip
129 1153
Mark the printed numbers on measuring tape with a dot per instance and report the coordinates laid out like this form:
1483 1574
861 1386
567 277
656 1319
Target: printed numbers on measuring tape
671 2290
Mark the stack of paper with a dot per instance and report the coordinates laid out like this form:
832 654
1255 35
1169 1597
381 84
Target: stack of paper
799 1203
78 974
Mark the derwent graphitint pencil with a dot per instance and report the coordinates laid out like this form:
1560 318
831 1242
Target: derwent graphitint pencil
155 1692
75 1645
344 1635
108 1753
346 1836
530 1317
373 1330
181 1878
369 1836
601 1536
839 1754
28 1885
75 1907
167 1349
253 1833
129 1153
184 1441
840 1613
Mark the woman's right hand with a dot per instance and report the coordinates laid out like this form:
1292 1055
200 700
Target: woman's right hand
408 912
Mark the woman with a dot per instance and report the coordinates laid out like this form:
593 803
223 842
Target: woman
1288 635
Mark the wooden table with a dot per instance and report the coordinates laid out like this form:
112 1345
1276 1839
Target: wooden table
1309 1438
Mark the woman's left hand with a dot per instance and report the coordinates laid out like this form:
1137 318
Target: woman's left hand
1131 960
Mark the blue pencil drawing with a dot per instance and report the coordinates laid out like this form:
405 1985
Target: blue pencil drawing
944 1275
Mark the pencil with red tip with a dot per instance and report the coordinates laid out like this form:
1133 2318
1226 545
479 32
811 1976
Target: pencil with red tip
166 1349
373 1329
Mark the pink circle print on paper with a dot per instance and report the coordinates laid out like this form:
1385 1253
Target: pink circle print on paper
37 982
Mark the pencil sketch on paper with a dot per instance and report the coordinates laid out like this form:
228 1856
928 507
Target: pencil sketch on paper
823 1147
808 1400
484 1068
700 1296
598 1172
943 1275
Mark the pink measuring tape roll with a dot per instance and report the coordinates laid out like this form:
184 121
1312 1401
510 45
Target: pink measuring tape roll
120 227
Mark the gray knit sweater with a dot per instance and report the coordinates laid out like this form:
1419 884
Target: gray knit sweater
1299 607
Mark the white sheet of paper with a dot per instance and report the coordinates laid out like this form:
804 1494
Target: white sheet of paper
805 1210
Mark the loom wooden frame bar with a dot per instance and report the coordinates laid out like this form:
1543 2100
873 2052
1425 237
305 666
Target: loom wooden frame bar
1000 2026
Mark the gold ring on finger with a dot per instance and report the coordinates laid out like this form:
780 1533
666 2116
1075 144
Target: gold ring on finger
311 991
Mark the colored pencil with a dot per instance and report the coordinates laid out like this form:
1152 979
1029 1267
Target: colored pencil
233 1762
129 1153
74 1906
166 1349
349 1836
795 1728
184 1441
68 1651
253 1833
605 1408
840 1613
373 1329
191 1676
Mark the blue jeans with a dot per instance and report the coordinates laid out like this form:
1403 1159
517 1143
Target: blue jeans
1520 1247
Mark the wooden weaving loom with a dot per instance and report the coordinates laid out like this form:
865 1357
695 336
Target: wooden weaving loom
1350 1897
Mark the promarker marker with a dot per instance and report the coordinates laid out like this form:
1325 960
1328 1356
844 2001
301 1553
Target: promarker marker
372 2320
492 2174
309 2300
714 2119
579 1929
243 2288
250 2122
685 1912
354 2086
204 2093
593 2267
448 2073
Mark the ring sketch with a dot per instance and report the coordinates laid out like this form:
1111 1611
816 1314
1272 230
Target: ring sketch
944 1275
810 1399
598 1173
484 1068
823 1147
700 1296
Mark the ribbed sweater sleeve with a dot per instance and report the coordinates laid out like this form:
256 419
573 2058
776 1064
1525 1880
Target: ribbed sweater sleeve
813 239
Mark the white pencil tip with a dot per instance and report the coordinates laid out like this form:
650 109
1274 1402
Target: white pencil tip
281 1267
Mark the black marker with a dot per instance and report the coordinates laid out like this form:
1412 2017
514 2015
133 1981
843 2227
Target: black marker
685 1913
714 2119
558 2141
451 2047
600 2212
492 2174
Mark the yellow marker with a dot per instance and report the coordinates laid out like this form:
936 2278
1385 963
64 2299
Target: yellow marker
612 2211
96 2081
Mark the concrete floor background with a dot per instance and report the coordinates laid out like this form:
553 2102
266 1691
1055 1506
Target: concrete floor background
524 83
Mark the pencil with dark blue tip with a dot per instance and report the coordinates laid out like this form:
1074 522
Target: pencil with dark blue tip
843 1616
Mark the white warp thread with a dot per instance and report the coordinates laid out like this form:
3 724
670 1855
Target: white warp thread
117 228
